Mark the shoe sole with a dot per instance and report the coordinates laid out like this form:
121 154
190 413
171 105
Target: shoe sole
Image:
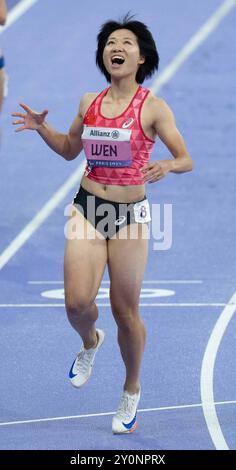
128 431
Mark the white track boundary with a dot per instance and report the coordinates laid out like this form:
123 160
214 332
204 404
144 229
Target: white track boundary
207 375
193 44
16 12
109 413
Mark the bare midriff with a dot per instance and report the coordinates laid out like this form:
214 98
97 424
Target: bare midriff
112 192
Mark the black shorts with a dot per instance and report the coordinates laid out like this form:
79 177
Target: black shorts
108 217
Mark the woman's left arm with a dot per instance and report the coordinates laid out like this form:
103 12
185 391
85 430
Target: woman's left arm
165 127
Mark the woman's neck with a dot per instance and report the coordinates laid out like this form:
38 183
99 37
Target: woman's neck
122 89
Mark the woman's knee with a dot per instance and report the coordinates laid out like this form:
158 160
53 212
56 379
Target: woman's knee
126 318
77 305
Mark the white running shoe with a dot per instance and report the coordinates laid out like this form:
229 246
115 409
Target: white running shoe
125 419
82 366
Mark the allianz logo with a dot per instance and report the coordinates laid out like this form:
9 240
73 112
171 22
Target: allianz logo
96 133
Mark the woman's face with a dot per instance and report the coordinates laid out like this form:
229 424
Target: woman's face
121 55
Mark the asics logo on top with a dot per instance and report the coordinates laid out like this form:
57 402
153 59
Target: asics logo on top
120 220
128 123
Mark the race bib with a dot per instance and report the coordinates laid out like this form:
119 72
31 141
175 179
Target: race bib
105 146
142 212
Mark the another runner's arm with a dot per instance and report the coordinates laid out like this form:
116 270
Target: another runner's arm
3 12
165 127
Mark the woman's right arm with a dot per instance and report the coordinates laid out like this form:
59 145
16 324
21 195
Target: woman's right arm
3 12
67 145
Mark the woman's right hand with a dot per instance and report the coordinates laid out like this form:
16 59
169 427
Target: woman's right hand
30 119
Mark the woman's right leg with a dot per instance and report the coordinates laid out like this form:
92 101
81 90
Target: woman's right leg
84 265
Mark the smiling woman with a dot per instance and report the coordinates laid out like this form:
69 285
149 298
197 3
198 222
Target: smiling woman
136 38
117 129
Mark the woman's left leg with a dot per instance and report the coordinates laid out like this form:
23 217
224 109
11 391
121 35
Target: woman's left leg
126 263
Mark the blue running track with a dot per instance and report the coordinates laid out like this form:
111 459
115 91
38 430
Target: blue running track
50 54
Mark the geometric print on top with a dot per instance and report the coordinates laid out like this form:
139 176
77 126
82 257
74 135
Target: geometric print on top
141 145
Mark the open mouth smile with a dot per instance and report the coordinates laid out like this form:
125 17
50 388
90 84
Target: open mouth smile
117 60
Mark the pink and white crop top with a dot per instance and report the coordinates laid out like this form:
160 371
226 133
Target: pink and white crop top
116 148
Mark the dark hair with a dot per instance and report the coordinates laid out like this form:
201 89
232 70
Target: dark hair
146 44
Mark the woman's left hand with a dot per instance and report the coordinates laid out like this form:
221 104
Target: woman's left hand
155 171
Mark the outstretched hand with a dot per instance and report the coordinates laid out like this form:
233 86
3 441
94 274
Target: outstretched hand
30 119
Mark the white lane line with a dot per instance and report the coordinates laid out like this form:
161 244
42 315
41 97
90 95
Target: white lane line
16 12
187 304
41 216
109 413
108 282
207 375
172 282
191 46
165 76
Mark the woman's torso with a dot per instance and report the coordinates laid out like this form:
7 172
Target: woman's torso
113 192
